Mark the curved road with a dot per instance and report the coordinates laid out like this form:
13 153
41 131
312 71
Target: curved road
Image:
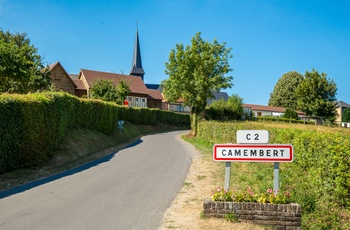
130 189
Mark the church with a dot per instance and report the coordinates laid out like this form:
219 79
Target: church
142 95
80 84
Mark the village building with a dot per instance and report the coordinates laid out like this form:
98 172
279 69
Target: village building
341 106
150 95
60 79
263 110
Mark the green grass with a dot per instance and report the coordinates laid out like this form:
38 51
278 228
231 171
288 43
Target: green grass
318 178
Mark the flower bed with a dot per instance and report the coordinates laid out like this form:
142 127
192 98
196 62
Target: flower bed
269 208
279 216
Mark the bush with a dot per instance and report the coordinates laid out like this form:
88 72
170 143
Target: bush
225 111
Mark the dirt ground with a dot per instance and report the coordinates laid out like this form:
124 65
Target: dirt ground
185 210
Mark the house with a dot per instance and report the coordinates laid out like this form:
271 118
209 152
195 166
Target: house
341 106
80 90
177 106
80 84
155 99
61 79
139 93
263 110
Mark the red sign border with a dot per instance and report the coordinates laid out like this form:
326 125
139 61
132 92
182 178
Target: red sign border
253 146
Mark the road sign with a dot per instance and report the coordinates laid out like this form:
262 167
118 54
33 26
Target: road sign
252 136
253 152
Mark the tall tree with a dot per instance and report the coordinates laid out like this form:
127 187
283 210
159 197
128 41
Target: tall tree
316 95
283 95
195 72
21 67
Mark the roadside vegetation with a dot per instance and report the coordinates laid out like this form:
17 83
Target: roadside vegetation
318 178
81 146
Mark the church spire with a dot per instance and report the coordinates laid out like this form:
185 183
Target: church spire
136 69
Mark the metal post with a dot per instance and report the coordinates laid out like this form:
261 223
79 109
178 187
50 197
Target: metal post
227 176
275 176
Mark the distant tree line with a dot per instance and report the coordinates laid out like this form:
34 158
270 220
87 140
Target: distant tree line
313 93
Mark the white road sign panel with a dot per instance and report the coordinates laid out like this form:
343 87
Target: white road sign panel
253 152
252 136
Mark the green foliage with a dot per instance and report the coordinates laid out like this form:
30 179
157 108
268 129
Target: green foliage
195 72
248 195
290 113
224 111
318 178
221 194
104 90
21 67
122 90
283 119
346 115
231 217
33 125
283 95
316 95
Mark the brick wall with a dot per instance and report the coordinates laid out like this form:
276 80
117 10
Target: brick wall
279 216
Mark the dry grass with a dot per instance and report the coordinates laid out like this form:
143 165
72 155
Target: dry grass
185 211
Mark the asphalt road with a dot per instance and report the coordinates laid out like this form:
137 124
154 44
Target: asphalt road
130 189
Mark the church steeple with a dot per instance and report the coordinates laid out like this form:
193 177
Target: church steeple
136 69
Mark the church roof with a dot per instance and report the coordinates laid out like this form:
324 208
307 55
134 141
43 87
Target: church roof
136 68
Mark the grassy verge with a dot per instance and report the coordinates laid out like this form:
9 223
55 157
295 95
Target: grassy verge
80 146
318 178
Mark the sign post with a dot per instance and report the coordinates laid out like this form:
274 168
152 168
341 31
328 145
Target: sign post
253 147
276 171
227 175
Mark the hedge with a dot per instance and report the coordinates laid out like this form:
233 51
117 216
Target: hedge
283 119
33 125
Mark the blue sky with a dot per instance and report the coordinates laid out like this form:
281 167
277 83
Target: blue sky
268 37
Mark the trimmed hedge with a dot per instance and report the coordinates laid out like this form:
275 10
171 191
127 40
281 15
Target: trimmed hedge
283 119
33 125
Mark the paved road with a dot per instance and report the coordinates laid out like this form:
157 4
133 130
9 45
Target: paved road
130 189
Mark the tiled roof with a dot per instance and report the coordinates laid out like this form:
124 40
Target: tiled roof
79 84
268 108
155 94
73 75
136 84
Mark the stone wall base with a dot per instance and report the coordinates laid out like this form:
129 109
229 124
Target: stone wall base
279 216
